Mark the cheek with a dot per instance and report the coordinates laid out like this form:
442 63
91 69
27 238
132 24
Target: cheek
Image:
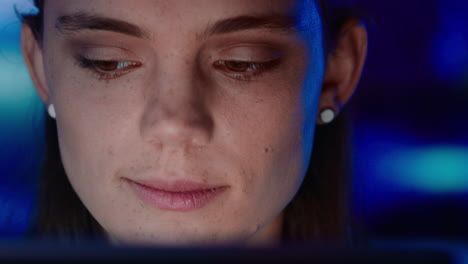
93 131
91 152
264 134
86 153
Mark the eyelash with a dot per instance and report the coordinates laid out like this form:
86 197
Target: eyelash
94 67
253 69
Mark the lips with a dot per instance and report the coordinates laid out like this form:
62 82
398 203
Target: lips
177 195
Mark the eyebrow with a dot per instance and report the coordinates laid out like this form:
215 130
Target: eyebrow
81 21
273 21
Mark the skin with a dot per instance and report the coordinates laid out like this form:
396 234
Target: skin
177 116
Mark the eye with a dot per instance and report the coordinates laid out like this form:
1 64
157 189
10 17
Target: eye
107 69
244 70
238 66
112 65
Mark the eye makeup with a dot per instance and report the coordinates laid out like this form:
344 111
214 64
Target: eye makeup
245 70
242 61
247 62
106 69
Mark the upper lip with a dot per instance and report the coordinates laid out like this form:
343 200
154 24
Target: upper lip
176 185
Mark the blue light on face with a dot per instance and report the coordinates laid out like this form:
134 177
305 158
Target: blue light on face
309 27
434 169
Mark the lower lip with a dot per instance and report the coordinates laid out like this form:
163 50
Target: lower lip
175 201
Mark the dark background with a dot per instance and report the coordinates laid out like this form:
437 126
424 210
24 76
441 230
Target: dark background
409 125
410 121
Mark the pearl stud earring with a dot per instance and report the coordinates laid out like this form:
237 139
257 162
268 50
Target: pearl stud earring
327 115
51 110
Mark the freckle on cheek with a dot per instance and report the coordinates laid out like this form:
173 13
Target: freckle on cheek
110 151
268 149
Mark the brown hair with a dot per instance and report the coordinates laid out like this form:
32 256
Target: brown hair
318 212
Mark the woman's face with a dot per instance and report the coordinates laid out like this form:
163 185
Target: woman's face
202 101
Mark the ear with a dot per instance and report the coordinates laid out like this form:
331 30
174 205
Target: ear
32 54
344 67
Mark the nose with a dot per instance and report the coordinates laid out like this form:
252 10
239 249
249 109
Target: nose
176 113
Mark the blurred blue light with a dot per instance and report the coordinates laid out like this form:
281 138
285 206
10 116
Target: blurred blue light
435 169
19 125
17 95
450 54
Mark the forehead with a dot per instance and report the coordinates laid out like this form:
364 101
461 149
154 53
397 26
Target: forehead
160 8
181 15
